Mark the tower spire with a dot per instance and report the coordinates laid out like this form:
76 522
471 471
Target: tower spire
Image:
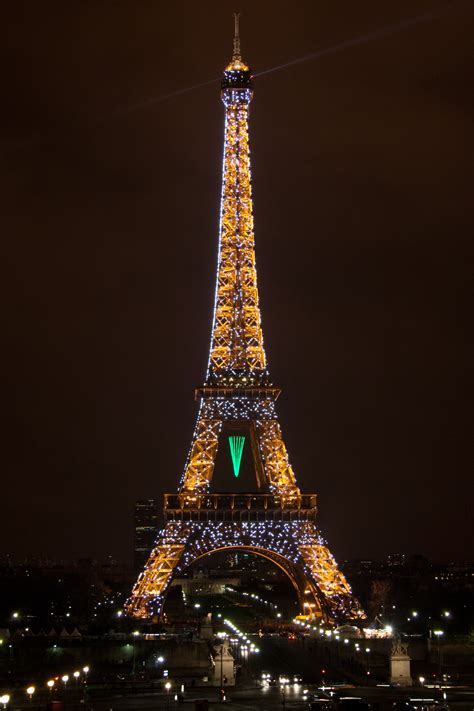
236 56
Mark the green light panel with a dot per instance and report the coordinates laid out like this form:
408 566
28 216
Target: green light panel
236 445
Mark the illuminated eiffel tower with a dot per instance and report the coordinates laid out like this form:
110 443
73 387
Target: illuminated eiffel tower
278 522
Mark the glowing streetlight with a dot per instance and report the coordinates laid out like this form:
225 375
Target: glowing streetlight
168 686
4 700
65 679
438 634
76 675
50 684
421 680
30 691
86 672
367 649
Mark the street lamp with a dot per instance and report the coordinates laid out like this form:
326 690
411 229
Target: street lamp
438 634
168 687
422 680
136 633
222 666
50 684
4 700
76 675
65 679
30 691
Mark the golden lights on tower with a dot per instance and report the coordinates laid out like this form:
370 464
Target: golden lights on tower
280 523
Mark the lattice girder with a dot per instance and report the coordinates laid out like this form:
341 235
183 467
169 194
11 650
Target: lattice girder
279 476
155 579
200 464
296 547
237 339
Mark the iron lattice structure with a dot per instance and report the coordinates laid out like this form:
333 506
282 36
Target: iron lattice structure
278 524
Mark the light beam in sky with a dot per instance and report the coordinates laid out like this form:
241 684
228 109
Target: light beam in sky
340 46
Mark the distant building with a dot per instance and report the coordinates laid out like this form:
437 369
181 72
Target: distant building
146 531
396 559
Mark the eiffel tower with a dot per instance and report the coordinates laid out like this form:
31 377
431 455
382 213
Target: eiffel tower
277 522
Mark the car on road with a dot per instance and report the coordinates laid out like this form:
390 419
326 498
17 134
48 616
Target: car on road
320 704
351 703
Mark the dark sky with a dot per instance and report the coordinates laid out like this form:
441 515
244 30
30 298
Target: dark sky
362 178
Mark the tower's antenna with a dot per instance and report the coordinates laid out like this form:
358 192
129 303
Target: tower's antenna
236 55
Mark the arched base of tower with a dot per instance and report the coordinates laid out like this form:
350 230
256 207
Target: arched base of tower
295 547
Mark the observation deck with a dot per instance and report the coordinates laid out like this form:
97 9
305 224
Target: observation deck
229 391
239 507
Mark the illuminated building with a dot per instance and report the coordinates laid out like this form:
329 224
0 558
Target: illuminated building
145 521
237 404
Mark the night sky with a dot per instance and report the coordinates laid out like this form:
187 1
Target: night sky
362 163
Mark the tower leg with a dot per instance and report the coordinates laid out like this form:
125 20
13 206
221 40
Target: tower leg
149 592
333 588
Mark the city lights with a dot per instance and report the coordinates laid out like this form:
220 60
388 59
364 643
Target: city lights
245 644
